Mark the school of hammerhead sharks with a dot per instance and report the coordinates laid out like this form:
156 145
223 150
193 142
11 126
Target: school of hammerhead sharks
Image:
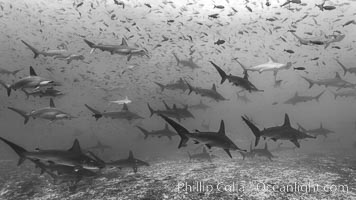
75 163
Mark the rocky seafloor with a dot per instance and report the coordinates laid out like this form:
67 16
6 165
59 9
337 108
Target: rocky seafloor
312 176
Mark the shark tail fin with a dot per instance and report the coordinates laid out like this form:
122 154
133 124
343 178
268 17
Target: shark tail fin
221 72
177 59
182 132
22 113
327 44
96 113
90 44
7 87
33 49
160 85
243 68
334 93
309 81
144 131
298 38
191 89
96 158
301 128
152 112
16 71
317 97
243 155
254 129
342 66
19 150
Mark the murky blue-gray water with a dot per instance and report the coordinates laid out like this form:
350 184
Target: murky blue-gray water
93 56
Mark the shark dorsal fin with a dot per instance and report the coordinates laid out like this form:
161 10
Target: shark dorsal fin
76 147
131 155
51 103
214 87
337 75
204 150
165 104
32 71
197 131
286 120
222 128
266 146
123 42
271 60
125 108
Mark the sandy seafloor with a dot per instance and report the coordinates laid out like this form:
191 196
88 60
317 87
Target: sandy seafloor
230 179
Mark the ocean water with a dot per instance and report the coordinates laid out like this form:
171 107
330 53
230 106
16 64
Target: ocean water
168 41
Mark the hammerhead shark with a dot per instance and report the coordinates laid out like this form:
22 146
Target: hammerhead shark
122 49
100 146
8 72
326 40
204 155
175 112
187 63
199 106
297 98
242 82
258 152
125 113
126 100
317 131
271 65
283 132
165 132
50 113
72 157
211 93
49 53
337 82
130 162
29 82
209 139
64 173
178 85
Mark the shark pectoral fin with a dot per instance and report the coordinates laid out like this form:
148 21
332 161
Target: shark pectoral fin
196 142
275 74
208 145
129 57
295 142
21 160
228 152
